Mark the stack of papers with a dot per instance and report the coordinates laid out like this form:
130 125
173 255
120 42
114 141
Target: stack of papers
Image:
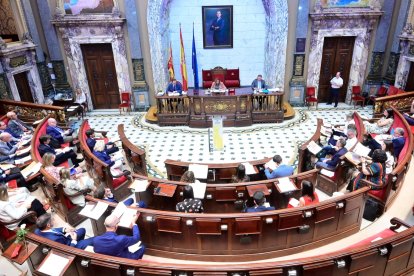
54 265
313 147
173 94
124 214
139 185
352 157
23 151
94 211
160 93
23 160
135 247
199 189
6 166
271 165
294 202
249 168
327 173
285 185
200 171
32 169
361 150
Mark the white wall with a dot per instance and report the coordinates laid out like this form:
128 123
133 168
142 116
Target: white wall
248 38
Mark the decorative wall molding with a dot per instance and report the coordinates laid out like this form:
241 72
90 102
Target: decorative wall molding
93 29
358 22
18 58
275 45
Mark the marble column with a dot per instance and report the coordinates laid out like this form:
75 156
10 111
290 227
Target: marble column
297 83
131 16
5 93
395 55
40 57
53 46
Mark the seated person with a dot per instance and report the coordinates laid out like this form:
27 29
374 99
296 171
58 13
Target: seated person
260 204
106 194
115 162
241 175
58 134
410 118
64 235
81 100
338 151
175 86
17 126
110 147
5 128
374 172
61 155
73 186
259 83
189 204
389 150
371 143
218 85
281 169
188 177
398 141
47 163
15 203
7 150
309 195
15 174
116 245
383 125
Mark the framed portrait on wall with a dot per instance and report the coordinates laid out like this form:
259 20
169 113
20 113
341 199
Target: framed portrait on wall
217 27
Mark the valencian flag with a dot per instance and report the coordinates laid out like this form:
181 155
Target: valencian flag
170 64
194 63
182 63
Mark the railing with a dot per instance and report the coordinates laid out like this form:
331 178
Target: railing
32 111
134 155
402 102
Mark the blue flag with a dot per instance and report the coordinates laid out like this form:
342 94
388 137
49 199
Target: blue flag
194 63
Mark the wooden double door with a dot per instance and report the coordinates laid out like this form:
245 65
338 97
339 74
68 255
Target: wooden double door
101 73
409 86
336 57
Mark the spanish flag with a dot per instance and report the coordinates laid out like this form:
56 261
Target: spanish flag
170 64
182 63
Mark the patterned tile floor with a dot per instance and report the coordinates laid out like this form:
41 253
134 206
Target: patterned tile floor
241 144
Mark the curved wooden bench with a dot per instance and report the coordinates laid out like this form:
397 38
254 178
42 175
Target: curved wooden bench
223 197
100 169
33 111
134 155
402 101
248 236
218 173
52 188
392 255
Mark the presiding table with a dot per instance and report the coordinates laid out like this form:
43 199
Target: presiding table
239 107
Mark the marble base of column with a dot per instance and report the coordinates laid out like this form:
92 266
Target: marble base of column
392 68
5 93
44 77
60 74
297 91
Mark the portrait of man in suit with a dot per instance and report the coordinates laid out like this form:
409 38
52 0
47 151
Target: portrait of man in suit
218 26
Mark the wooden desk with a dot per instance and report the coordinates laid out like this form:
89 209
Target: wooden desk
166 190
241 109
251 189
23 253
60 270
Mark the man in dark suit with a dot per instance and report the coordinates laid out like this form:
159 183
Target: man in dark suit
60 135
116 245
17 126
5 128
62 155
175 86
331 163
7 150
259 200
259 83
217 26
67 236
91 141
398 141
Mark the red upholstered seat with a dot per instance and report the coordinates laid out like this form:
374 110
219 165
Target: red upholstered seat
357 96
392 90
232 83
311 96
118 181
12 184
125 101
382 91
400 91
232 74
5 233
69 203
380 194
383 235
